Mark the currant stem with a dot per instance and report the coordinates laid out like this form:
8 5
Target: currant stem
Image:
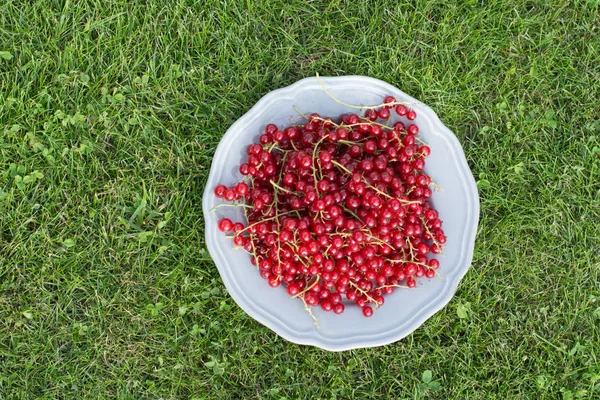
352 213
412 250
229 205
265 219
353 106
364 293
387 286
429 232
308 288
313 161
385 126
373 187
308 309
437 187
364 180
377 240
251 239
281 188
409 262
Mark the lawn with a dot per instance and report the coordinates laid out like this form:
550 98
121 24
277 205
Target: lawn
110 112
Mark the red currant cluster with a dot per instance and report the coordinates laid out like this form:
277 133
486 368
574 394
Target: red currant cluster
339 208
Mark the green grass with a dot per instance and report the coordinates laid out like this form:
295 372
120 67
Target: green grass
119 105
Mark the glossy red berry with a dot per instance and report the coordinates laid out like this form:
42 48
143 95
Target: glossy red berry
383 113
293 289
229 195
371 114
274 281
225 225
401 110
389 99
311 299
220 190
242 188
271 128
326 305
338 308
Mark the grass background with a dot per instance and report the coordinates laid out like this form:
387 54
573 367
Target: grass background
110 112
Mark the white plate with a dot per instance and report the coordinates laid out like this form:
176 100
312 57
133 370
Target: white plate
406 309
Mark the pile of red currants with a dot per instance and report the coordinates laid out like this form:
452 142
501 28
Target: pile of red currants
339 212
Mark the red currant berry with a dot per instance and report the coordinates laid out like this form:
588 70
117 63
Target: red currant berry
293 289
220 190
425 151
270 128
338 308
274 281
389 99
413 129
326 305
311 299
229 195
225 225
401 110
383 113
242 188
371 114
